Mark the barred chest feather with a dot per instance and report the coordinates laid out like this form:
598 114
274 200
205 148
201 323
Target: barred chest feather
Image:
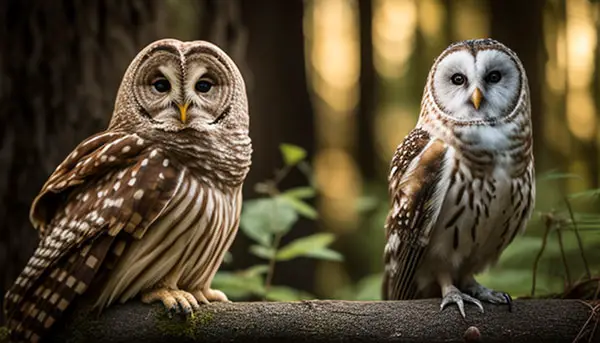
489 196
182 250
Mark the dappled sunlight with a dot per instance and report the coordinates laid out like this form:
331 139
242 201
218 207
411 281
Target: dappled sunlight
394 23
338 179
392 123
333 51
407 35
431 18
335 56
581 116
470 20
581 43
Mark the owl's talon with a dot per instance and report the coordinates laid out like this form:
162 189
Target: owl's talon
201 298
176 301
215 295
488 295
508 301
172 310
209 295
457 297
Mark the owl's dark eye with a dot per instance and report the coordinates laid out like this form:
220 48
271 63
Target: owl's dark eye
161 85
493 77
203 86
458 79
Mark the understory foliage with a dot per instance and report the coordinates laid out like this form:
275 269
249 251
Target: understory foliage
266 221
557 256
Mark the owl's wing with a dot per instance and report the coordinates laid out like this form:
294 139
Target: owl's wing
417 192
111 183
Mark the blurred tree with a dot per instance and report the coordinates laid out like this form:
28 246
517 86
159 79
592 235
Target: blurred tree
519 25
596 95
280 110
367 157
60 66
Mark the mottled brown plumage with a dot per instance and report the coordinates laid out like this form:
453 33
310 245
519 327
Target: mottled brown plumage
150 206
462 182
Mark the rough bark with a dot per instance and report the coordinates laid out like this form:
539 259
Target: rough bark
60 66
339 321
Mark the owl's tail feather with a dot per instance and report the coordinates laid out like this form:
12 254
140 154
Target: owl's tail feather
44 303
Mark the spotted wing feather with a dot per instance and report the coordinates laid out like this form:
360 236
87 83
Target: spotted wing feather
416 199
110 189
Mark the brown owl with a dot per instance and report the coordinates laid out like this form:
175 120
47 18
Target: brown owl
150 206
462 182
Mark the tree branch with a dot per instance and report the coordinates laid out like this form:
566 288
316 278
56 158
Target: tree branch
325 321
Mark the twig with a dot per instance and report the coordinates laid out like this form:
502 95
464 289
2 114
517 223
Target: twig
594 310
564 257
595 324
269 187
273 191
271 271
548 223
280 174
585 263
305 168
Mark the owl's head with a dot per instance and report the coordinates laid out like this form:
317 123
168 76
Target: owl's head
477 80
174 86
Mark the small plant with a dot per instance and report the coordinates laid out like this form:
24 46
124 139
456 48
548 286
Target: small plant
266 221
557 257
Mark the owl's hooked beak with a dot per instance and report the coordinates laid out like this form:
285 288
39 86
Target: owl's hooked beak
183 111
476 98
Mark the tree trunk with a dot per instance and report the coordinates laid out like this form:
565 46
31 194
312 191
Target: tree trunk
367 158
60 67
519 25
280 111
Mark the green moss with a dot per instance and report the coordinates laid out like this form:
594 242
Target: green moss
176 327
4 334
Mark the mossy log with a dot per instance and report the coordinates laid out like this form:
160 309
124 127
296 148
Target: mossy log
337 321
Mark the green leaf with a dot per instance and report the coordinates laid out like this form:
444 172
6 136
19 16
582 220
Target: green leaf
283 293
367 288
554 174
306 169
300 192
240 284
261 218
325 254
310 246
292 154
228 257
301 207
263 252
256 270
253 222
588 193
366 203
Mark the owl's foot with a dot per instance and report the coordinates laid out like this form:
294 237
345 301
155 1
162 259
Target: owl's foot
488 295
208 295
453 295
173 299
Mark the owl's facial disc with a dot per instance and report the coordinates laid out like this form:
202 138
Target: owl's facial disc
480 86
208 89
158 88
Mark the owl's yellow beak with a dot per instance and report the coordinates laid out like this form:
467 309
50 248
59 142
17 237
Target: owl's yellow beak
183 111
476 98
